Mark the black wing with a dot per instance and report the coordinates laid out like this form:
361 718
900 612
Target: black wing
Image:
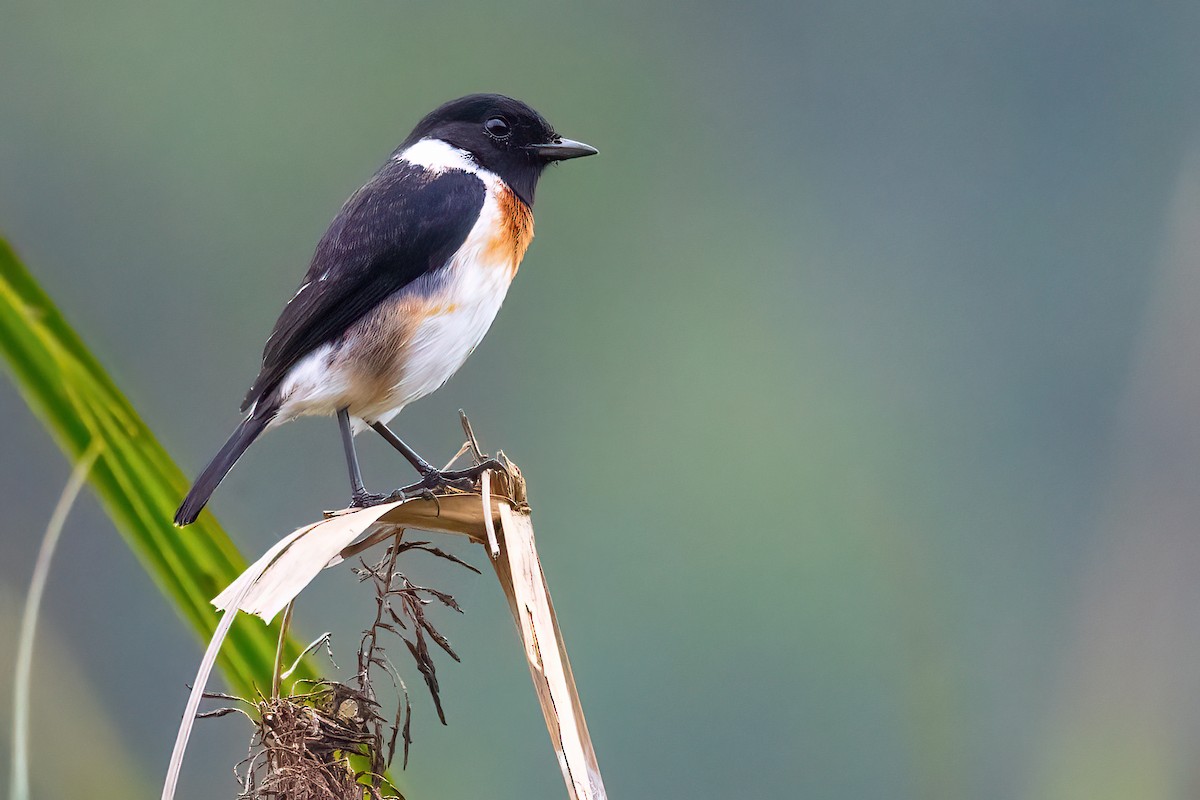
404 223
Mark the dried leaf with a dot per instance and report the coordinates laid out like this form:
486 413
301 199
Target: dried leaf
524 584
289 566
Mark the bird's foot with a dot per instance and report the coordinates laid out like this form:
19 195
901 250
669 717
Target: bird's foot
365 499
435 479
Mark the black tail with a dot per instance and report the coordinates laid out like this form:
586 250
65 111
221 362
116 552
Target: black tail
219 467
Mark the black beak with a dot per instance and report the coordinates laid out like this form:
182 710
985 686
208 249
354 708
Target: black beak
562 149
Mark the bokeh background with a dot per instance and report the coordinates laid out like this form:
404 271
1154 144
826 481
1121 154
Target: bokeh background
857 380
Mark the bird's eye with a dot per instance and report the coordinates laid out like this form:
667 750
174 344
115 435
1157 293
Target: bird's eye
497 127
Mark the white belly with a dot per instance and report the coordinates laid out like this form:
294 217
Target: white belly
439 332
441 342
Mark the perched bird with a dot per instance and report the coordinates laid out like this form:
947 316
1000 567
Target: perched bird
403 285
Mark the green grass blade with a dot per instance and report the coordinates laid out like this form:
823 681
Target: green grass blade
138 484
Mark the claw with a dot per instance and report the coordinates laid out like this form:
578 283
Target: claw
429 495
413 492
367 499
471 473
461 479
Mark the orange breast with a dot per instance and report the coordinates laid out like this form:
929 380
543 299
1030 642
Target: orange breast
515 230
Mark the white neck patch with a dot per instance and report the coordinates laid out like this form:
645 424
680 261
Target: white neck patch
438 156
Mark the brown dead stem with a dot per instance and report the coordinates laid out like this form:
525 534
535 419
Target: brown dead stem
302 741
497 517
399 608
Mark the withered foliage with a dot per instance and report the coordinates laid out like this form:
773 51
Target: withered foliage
304 742
301 741
400 610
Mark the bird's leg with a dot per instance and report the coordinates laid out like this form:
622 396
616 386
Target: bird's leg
359 496
431 477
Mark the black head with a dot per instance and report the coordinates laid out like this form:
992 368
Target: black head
504 135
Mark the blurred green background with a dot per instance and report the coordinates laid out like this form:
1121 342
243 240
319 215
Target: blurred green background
857 381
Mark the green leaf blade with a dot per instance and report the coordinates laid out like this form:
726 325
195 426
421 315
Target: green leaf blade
135 479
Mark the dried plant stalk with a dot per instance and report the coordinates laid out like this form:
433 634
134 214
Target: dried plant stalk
302 744
283 572
520 573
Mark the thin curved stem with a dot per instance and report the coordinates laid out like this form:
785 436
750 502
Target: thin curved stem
276 673
18 784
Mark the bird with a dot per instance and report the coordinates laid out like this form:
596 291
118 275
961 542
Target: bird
402 287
